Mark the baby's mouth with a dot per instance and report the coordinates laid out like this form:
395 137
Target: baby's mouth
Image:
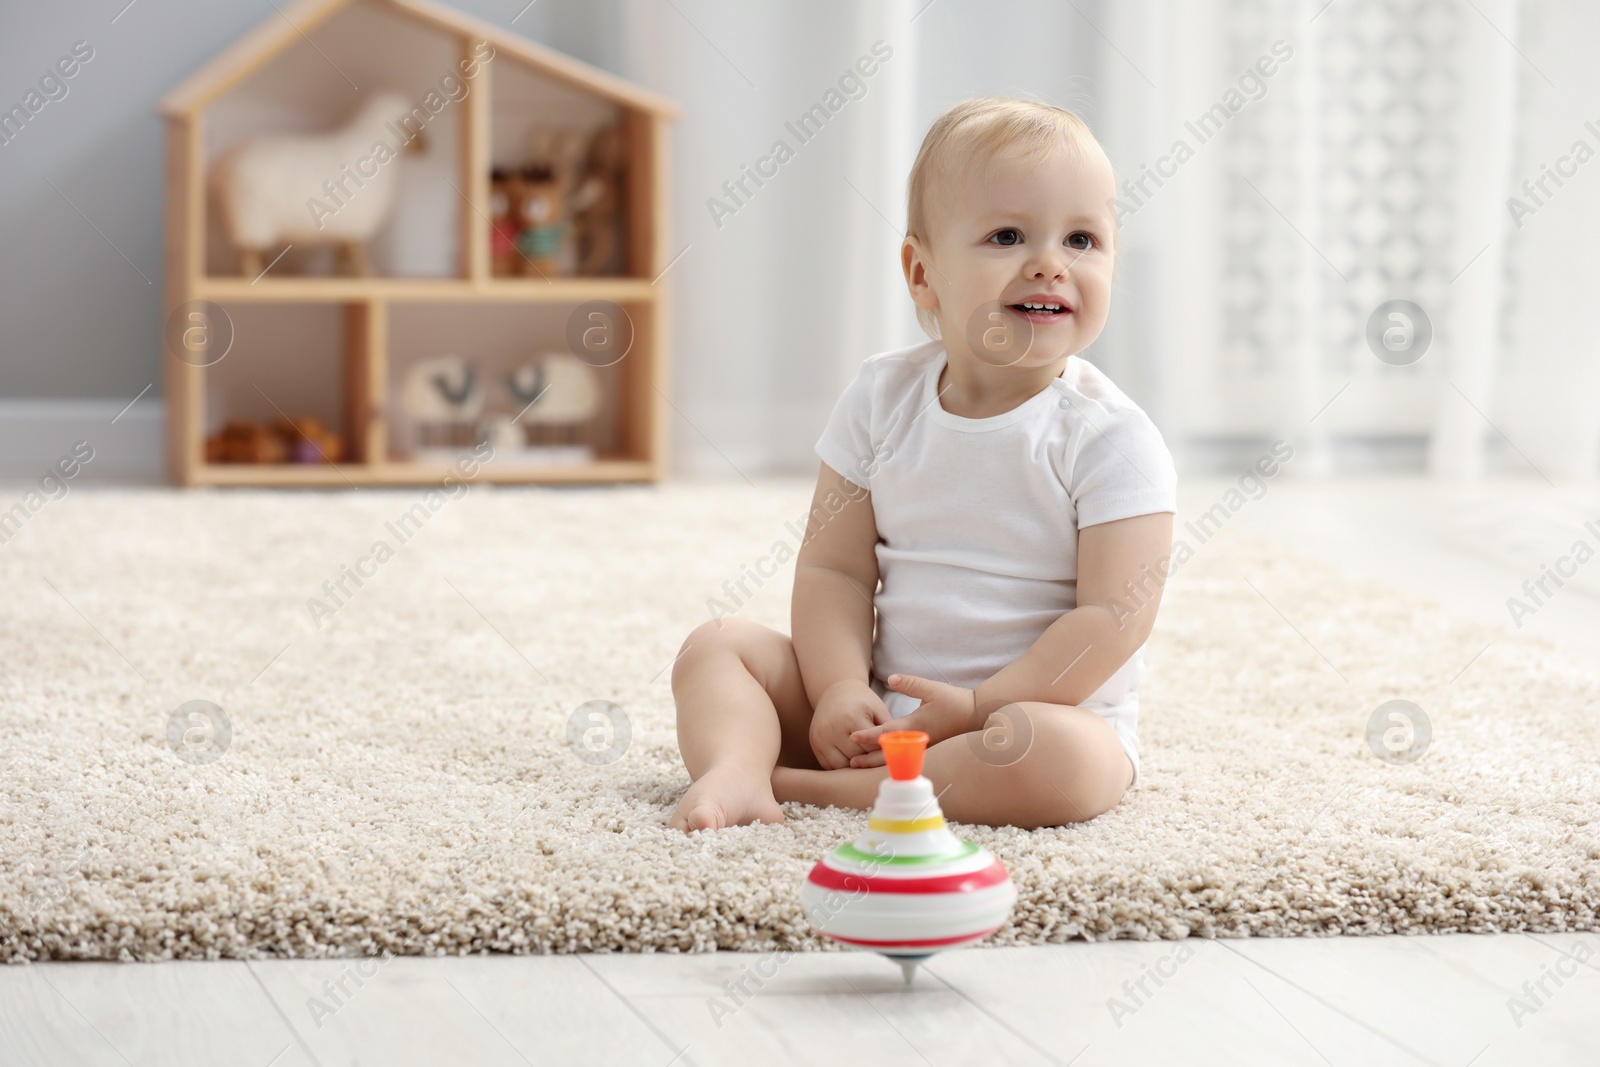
1039 311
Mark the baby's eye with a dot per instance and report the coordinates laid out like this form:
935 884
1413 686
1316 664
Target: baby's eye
1002 233
1081 241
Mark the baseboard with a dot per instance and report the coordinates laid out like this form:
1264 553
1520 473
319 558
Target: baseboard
129 442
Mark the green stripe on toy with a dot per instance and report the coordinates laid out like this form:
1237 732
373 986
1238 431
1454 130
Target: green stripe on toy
848 851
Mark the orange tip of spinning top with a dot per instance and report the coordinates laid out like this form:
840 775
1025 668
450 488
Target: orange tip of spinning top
903 751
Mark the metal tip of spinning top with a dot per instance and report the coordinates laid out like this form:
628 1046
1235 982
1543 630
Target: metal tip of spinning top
908 964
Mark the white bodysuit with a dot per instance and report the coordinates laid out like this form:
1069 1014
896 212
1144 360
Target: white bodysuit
978 519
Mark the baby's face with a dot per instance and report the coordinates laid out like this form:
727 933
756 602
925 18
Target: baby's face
1013 232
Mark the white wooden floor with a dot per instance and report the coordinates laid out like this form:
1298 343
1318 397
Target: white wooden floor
1442 1000
1451 1001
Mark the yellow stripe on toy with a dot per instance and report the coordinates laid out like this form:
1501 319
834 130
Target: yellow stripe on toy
906 826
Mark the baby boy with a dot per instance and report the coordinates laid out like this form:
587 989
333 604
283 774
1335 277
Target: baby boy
981 558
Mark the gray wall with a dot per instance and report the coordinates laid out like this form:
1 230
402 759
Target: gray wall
79 317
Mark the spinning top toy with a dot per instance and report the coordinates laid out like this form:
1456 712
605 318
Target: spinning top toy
908 887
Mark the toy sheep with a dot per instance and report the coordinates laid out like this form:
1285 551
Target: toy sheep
500 434
331 188
443 397
559 391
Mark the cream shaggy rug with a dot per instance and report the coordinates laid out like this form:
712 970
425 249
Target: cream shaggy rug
389 768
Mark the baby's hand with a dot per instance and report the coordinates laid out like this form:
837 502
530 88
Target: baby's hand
946 711
844 707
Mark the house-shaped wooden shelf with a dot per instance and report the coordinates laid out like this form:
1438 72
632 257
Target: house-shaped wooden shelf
302 328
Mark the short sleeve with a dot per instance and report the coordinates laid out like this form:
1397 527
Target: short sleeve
1122 468
846 441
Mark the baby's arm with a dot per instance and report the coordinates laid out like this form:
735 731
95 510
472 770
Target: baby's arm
1087 645
831 617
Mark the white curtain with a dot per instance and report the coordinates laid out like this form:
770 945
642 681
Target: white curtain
1547 391
783 287
1373 163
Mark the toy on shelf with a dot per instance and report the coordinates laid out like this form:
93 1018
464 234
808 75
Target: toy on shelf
443 397
559 397
309 441
300 189
599 224
304 440
282 172
501 434
505 208
535 235
544 223
908 887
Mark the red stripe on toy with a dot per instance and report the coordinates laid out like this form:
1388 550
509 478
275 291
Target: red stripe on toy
926 943
829 878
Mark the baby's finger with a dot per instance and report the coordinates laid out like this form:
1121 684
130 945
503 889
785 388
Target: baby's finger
874 758
867 736
870 733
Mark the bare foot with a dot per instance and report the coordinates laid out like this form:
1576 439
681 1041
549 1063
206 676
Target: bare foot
722 799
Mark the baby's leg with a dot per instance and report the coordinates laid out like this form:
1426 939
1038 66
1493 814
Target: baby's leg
741 709
1070 768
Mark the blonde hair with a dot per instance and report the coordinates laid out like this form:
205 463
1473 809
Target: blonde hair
980 129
